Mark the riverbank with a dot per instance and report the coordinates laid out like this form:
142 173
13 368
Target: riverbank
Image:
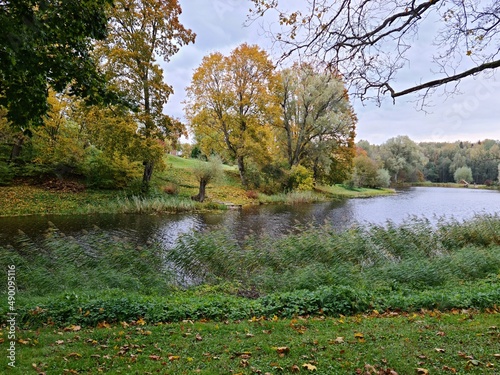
399 297
171 192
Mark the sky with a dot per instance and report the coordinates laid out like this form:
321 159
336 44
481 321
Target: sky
472 115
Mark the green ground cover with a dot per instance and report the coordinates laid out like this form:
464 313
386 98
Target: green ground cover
171 192
457 342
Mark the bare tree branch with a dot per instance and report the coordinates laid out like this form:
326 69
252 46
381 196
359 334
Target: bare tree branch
367 41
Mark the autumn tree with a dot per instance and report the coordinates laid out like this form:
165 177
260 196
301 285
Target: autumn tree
230 104
370 42
141 32
47 44
317 119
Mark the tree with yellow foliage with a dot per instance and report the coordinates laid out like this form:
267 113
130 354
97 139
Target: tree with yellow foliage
230 105
140 33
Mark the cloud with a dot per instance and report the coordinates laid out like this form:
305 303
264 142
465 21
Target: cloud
472 115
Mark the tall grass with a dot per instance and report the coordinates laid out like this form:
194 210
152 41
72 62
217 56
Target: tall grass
92 262
138 204
97 277
414 255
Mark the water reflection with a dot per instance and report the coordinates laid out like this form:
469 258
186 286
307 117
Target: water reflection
431 203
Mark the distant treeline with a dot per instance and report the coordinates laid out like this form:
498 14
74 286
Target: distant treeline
440 162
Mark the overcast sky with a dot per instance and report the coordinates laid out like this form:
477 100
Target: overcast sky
473 115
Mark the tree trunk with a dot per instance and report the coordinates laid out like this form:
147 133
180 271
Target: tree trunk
200 197
16 149
241 168
146 177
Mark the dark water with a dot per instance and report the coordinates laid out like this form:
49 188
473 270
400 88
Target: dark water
432 203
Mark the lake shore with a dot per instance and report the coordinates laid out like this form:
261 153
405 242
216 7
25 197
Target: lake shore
171 193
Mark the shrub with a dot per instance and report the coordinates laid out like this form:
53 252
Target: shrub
171 189
300 178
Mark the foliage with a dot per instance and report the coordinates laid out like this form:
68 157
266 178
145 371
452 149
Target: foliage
383 178
48 44
300 178
463 173
141 31
401 154
317 120
205 172
229 103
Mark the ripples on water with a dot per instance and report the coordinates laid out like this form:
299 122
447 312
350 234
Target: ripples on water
431 203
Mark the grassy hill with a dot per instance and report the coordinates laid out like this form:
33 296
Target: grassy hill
172 191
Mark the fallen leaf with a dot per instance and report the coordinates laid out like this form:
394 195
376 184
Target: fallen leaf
60 342
154 357
72 328
103 324
76 355
309 367
339 340
173 358
140 322
439 350
295 368
283 349
198 337
422 371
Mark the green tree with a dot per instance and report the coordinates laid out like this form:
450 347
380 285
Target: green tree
316 120
402 154
140 32
463 173
365 171
205 172
46 44
230 104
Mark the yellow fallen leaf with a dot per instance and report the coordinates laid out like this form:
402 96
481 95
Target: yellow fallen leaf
422 371
309 367
141 322
283 349
103 324
173 357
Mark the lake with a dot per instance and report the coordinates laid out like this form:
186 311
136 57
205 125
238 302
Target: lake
432 203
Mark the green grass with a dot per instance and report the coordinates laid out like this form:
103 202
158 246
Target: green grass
464 342
370 299
177 179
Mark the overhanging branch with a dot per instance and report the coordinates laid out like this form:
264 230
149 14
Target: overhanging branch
438 82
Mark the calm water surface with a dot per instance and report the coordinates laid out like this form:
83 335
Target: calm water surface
432 203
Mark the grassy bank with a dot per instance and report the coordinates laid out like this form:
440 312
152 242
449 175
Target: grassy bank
171 192
375 298
95 277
